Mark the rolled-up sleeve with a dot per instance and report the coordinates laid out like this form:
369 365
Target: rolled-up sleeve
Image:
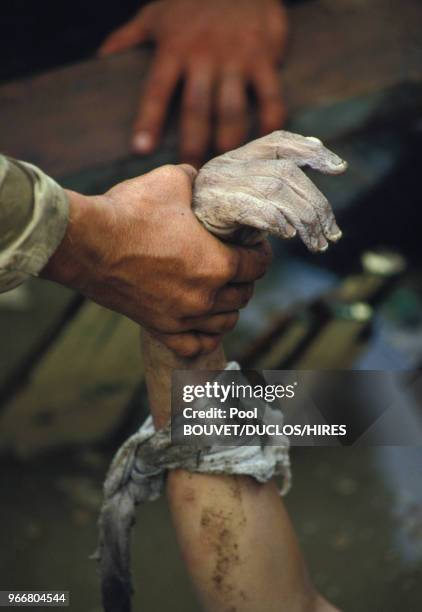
34 213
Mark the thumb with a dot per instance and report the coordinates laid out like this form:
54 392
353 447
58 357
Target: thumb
132 33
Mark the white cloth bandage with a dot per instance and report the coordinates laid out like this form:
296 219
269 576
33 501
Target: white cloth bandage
137 474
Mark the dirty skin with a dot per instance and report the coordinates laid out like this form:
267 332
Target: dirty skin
261 186
220 529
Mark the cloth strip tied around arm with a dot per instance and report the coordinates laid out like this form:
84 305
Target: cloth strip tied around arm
137 474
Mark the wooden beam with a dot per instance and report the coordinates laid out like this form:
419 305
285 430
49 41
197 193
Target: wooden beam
80 117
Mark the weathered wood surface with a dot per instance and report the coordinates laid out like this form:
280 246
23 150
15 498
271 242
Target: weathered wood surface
80 117
78 390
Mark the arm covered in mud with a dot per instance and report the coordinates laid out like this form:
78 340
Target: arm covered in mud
239 545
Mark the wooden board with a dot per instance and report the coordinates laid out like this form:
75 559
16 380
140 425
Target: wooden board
80 117
78 391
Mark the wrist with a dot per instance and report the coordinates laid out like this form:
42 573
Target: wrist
76 256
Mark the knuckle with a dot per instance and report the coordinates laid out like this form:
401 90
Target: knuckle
276 137
200 304
229 265
231 112
315 142
194 105
169 326
324 207
176 175
188 347
209 343
288 166
154 88
173 45
168 169
221 273
183 345
309 216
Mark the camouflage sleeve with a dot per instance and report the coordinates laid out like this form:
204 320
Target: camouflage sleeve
33 218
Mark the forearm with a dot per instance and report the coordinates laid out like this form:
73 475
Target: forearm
76 260
235 535
238 544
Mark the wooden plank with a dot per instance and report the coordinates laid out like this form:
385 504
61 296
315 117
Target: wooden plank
80 117
353 47
79 391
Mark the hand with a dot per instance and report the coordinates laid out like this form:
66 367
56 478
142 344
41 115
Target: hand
261 186
219 47
139 250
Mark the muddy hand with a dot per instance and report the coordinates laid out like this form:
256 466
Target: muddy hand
261 186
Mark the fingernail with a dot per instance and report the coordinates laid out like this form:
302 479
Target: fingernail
323 245
290 231
338 165
314 139
335 233
142 142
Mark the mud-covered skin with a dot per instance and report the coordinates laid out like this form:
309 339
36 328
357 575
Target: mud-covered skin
261 185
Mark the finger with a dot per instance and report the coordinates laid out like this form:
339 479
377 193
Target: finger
264 215
301 215
196 112
307 191
252 262
233 297
272 110
281 211
271 176
168 180
214 324
248 198
162 80
301 150
190 344
277 28
307 226
231 110
134 32
285 214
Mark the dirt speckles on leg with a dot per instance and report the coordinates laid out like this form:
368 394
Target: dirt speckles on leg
220 529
